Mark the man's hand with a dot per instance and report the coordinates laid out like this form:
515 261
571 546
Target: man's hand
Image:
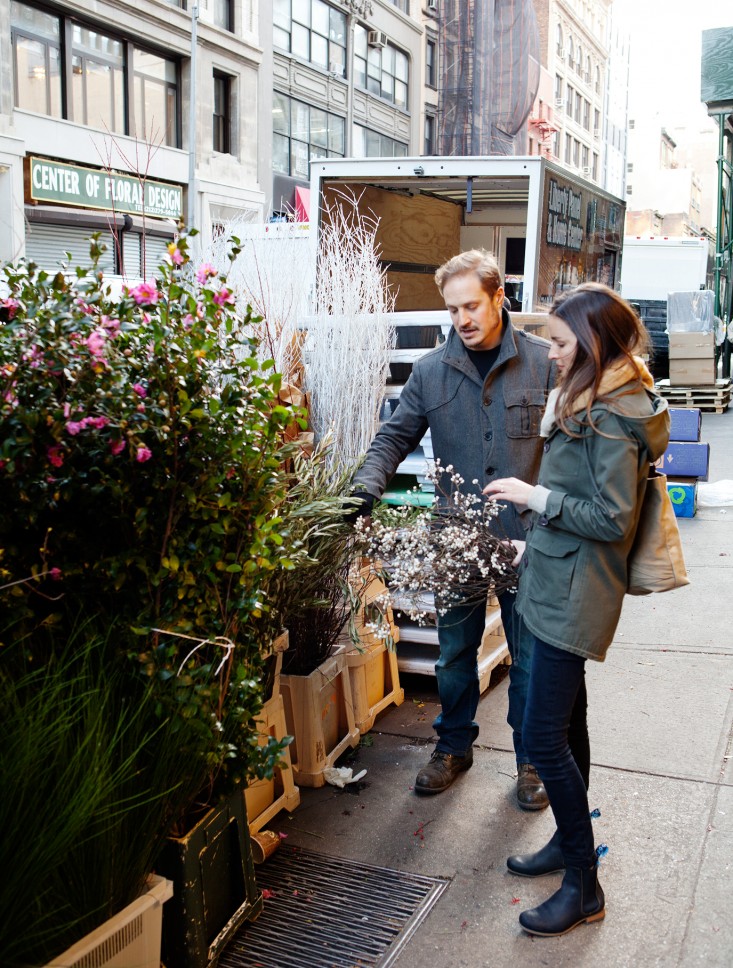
363 505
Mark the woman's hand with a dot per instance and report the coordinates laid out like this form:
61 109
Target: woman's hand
520 546
509 489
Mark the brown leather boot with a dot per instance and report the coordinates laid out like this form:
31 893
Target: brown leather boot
531 794
441 771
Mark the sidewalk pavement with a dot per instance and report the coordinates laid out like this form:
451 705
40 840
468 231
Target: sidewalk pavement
661 716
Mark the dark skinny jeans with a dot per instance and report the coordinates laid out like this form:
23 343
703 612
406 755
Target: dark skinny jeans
555 735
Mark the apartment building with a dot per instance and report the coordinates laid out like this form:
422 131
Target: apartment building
129 116
568 116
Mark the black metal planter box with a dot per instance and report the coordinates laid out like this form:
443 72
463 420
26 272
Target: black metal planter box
214 886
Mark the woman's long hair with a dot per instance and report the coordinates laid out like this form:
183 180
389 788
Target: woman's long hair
608 331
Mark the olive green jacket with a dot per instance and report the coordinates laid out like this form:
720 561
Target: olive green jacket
573 575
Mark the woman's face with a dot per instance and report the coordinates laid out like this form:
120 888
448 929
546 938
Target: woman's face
563 344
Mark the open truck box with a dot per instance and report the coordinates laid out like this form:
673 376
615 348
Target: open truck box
548 229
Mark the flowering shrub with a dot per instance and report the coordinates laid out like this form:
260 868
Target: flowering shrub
141 473
439 556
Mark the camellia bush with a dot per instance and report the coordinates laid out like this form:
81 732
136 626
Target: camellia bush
141 471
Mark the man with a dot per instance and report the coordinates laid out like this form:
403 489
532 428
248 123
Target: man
482 394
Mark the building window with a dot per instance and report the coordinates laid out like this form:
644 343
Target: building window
222 141
97 79
431 63
586 115
372 144
598 80
584 159
576 152
103 72
578 107
221 13
629 166
380 70
595 166
570 52
36 42
631 125
558 91
587 75
629 190
569 101
313 31
556 144
596 123
155 89
579 60
429 134
402 5
559 45
568 148
302 132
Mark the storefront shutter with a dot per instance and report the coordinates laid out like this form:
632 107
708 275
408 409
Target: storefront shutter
46 244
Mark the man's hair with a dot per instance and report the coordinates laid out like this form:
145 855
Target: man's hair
479 261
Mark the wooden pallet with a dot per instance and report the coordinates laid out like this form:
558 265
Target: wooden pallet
709 399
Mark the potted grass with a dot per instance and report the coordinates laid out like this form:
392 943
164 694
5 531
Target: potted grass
142 472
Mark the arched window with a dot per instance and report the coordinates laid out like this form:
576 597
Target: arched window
598 80
570 52
587 70
560 51
579 60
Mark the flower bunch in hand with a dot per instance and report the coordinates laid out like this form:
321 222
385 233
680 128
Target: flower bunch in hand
437 557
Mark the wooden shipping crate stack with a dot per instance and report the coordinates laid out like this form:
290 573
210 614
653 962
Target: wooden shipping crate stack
693 377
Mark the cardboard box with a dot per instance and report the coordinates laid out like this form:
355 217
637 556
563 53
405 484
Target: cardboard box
685 459
683 495
685 423
692 373
691 346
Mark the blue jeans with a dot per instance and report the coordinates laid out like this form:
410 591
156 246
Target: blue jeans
556 735
459 634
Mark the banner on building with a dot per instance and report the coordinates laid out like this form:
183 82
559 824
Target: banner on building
54 181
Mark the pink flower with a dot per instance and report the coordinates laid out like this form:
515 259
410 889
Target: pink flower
55 574
143 454
84 306
97 422
111 326
67 409
11 305
188 321
175 254
223 297
95 342
146 294
139 389
56 456
116 446
204 271
73 427
140 408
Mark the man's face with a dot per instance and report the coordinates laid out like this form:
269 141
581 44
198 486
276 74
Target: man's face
475 314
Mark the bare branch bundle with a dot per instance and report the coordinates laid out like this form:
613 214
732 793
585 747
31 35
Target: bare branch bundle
348 344
449 552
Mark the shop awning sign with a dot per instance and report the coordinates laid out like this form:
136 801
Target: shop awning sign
54 181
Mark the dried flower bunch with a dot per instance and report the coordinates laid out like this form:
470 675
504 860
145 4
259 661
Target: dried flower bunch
449 553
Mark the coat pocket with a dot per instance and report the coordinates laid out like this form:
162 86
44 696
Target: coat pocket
524 409
551 565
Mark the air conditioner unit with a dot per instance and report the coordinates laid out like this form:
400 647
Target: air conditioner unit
559 102
377 38
596 133
432 9
586 171
561 53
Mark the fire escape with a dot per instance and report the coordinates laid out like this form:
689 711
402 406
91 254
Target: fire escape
543 129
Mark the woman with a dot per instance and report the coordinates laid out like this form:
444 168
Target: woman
603 427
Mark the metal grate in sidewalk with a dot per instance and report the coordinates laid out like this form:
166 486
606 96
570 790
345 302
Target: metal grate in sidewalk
326 912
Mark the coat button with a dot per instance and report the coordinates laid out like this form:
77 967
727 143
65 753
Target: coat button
542 520
489 435
546 447
487 401
491 470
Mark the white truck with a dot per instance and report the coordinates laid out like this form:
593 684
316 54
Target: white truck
549 229
653 266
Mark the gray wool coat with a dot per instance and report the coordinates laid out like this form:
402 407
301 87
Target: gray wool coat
485 429
573 575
